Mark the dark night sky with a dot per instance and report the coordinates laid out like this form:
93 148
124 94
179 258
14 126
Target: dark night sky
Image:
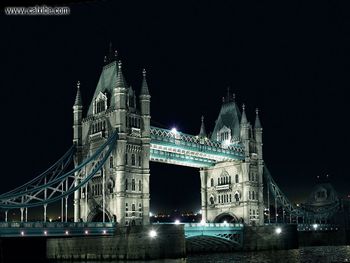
292 60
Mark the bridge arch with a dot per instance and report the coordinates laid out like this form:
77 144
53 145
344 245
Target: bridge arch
96 215
226 216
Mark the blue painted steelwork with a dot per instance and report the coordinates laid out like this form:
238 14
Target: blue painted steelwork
55 229
228 231
49 191
180 148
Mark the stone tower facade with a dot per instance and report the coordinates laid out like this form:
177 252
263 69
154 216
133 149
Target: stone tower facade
120 191
233 191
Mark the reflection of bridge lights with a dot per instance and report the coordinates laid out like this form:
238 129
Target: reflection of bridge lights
177 222
22 233
67 233
152 233
104 232
278 230
315 226
45 233
174 130
86 232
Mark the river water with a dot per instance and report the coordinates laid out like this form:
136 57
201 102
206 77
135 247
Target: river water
334 254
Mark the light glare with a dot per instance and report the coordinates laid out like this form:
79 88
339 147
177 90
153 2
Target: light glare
278 230
152 233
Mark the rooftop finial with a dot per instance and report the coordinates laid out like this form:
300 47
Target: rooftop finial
257 124
244 117
144 85
234 97
78 101
202 132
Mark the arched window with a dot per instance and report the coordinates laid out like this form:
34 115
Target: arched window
133 185
230 198
133 207
133 159
140 160
211 182
218 181
237 181
250 195
229 180
253 195
126 184
111 162
140 186
211 200
219 199
126 158
236 197
140 208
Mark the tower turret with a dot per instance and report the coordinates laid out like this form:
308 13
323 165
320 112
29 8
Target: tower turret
244 132
202 132
145 101
120 99
258 135
77 117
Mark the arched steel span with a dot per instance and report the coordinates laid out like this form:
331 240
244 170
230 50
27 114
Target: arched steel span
54 184
280 198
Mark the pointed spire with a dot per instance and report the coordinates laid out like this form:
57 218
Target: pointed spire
244 116
257 124
120 77
228 97
202 132
78 101
112 55
144 87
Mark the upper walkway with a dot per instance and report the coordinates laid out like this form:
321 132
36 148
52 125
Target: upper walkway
174 147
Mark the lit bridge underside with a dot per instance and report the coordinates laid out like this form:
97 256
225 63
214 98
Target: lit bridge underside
178 148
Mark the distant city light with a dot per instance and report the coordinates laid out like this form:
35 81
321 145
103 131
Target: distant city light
199 212
86 232
50 219
104 232
152 233
150 214
177 222
225 223
22 233
315 226
174 130
278 230
67 233
45 233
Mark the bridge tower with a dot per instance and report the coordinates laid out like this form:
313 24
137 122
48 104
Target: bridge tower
119 192
233 191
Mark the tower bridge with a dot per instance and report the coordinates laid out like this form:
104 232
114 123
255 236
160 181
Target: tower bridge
112 147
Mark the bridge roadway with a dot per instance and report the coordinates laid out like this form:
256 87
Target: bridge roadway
229 232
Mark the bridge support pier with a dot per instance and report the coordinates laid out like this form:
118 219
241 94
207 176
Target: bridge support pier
203 176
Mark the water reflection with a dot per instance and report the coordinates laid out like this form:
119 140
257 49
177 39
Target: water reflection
304 255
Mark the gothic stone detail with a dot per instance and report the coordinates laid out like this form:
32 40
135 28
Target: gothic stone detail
124 179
